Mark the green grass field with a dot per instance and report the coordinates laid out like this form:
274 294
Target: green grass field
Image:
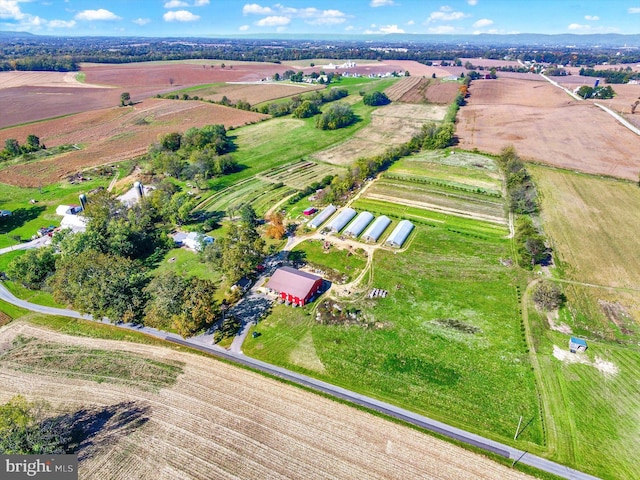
340 262
593 413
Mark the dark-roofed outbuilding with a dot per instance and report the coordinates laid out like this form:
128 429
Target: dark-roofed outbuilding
294 286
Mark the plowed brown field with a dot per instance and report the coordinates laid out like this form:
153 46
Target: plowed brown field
546 125
112 135
254 93
219 421
423 90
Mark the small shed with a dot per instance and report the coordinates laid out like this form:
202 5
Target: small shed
372 234
5 213
323 216
400 234
310 211
344 217
359 224
577 345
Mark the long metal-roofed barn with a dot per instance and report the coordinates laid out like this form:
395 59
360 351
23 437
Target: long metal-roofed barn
400 233
322 217
376 228
342 219
359 224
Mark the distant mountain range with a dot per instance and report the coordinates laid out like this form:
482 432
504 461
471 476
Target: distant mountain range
565 40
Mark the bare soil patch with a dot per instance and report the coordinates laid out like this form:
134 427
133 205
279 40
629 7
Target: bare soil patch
41 79
546 125
255 93
390 125
219 421
112 135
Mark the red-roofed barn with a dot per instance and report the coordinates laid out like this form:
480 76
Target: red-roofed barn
294 285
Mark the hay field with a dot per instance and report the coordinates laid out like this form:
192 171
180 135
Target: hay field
594 226
423 90
390 125
219 421
112 135
546 125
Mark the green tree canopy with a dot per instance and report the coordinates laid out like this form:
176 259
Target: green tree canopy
375 99
337 115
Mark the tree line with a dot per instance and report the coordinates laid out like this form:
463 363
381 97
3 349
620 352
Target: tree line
13 149
621 75
64 53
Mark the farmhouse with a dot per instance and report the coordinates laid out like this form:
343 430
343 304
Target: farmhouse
195 241
75 223
577 345
294 286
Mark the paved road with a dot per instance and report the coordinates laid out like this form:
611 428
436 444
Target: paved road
368 402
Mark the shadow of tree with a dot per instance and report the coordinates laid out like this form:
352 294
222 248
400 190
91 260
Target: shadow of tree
90 430
19 217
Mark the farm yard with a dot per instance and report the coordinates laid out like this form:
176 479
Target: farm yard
390 125
236 423
440 317
112 135
545 125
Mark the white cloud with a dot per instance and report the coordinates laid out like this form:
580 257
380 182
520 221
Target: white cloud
255 9
446 14
349 28
142 21
244 28
384 29
483 22
442 29
381 3
61 23
11 10
473 3
175 4
326 17
411 22
273 21
577 26
200 3
592 18
634 10
180 16
100 14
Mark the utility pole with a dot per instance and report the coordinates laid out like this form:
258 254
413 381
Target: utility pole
518 429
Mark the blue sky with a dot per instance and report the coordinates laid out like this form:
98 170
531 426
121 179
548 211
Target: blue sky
233 17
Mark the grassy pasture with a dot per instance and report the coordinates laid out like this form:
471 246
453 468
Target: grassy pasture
593 224
420 354
593 413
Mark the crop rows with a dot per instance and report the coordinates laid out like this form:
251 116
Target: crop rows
218 421
443 183
397 90
300 174
443 197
